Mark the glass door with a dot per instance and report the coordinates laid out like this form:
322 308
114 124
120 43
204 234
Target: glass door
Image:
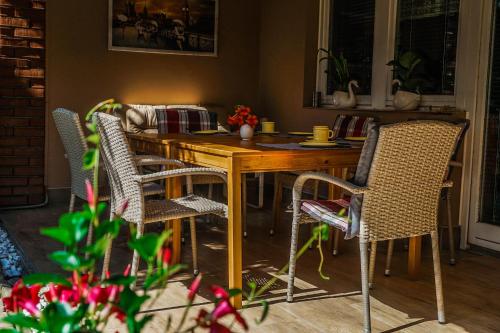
486 231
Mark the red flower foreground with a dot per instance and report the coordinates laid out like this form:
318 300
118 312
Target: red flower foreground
23 298
221 310
82 290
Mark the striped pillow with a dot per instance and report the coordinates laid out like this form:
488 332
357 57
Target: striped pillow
345 126
185 120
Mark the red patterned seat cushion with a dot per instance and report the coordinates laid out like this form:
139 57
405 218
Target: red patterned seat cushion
345 126
331 212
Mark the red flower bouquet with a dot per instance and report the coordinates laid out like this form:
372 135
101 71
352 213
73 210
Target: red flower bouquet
242 115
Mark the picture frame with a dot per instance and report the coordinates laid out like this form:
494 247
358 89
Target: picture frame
178 27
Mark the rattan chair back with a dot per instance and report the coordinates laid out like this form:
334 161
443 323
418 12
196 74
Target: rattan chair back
73 139
406 178
120 167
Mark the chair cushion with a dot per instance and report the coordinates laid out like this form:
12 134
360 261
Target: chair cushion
346 125
184 120
141 118
361 178
331 212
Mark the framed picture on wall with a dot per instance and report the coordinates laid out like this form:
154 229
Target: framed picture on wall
186 27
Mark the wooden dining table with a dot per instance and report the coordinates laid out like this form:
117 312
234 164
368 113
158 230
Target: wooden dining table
237 158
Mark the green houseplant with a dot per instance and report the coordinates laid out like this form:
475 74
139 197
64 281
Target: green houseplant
407 81
343 95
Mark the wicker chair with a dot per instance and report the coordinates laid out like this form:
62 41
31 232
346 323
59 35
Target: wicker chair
400 199
446 196
343 126
126 185
75 145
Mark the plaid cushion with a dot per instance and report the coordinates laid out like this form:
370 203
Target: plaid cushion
331 212
185 120
350 126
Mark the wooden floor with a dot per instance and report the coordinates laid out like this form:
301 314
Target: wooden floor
472 287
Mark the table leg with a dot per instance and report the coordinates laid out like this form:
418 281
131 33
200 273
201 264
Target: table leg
244 203
234 232
176 224
173 189
414 257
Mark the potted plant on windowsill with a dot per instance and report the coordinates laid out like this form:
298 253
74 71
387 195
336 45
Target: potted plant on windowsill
406 81
343 96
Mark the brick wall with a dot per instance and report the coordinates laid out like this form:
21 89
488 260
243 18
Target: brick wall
22 101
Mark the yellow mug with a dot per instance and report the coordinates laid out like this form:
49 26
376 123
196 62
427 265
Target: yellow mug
267 127
322 133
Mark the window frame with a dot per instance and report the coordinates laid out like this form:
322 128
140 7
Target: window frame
384 36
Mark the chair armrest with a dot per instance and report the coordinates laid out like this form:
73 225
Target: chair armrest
455 164
180 173
144 160
354 189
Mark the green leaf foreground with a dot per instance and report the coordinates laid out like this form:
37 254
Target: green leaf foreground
22 320
119 280
61 318
149 245
44 279
70 261
265 312
90 159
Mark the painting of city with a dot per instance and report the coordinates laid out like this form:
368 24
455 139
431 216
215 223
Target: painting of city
164 26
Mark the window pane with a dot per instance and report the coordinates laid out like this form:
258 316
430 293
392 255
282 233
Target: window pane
351 33
429 28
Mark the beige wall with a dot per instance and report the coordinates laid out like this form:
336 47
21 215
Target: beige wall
285 39
81 71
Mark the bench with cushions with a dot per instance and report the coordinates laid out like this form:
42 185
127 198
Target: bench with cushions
147 118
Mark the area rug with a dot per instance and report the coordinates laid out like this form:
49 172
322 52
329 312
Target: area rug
13 262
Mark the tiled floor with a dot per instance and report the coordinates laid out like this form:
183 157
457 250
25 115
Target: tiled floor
472 288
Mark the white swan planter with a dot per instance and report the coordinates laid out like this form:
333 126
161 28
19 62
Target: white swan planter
405 100
342 99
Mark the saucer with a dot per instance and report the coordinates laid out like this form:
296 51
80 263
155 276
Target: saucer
355 138
207 132
318 144
269 133
301 133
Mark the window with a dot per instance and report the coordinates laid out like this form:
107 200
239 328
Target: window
351 34
369 33
429 28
